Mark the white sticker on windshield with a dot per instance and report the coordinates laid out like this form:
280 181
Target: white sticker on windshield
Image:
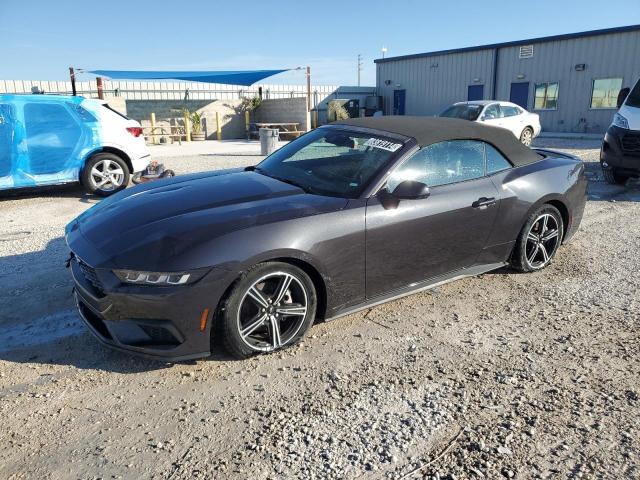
383 144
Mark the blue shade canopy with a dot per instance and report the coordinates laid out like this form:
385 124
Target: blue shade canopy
230 77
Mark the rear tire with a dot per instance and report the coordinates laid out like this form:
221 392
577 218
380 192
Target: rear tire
539 240
612 177
526 137
105 174
272 306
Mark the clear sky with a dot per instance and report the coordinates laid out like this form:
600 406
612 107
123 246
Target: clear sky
40 39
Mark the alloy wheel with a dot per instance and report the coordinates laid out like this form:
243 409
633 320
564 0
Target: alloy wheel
526 137
107 175
543 239
272 311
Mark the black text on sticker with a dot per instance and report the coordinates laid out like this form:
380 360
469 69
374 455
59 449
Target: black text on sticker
383 144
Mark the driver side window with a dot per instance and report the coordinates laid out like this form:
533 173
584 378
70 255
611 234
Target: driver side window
441 164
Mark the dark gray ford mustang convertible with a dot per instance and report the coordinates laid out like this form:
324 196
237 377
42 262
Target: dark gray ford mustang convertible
347 216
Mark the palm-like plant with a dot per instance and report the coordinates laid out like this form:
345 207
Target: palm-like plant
196 122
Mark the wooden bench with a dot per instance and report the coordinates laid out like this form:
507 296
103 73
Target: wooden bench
287 130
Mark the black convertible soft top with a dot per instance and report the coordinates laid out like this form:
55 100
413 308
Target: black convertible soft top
430 130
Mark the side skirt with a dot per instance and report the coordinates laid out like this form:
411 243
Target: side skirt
418 287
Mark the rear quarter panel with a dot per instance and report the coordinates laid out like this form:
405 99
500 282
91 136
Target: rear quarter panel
114 134
524 189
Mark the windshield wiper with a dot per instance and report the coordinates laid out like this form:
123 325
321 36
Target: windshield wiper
305 188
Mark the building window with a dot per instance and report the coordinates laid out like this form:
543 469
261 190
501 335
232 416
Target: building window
546 96
604 93
526 51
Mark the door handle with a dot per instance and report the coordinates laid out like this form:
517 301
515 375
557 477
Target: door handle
483 202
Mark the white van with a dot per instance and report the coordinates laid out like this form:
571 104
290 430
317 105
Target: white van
620 152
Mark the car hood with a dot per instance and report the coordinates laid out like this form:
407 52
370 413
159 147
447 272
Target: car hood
159 222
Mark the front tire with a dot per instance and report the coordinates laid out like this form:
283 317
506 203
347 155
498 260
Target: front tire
526 136
539 240
105 174
612 177
272 306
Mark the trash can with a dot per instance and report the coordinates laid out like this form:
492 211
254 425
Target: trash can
268 140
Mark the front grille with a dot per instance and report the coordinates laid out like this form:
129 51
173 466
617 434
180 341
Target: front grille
90 274
631 142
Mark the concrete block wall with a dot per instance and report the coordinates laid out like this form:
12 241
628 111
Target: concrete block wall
284 110
141 109
169 112
231 114
232 121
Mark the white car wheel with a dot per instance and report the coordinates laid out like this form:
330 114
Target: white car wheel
526 137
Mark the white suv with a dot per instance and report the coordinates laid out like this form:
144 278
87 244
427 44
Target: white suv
54 139
523 124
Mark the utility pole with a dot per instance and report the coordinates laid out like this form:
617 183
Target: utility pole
308 74
72 75
359 67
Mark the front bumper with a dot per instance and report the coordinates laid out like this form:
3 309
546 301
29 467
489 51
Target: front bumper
621 150
164 323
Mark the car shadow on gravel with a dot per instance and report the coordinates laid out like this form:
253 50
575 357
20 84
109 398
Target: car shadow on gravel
73 190
62 339
83 352
227 155
39 323
79 349
598 190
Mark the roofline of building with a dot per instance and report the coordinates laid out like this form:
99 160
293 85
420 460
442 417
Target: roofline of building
491 46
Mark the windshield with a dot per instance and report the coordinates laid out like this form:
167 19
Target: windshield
633 100
466 112
331 161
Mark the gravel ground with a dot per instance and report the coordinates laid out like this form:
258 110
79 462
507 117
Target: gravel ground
500 376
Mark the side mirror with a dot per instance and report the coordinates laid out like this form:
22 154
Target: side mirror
410 190
622 95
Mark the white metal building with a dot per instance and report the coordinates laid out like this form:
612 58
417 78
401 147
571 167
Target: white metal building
572 81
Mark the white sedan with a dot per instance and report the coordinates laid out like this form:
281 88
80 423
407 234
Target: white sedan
523 124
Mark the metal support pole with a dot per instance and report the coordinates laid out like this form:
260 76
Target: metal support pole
154 139
247 120
187 127
218 129
72 75
100 88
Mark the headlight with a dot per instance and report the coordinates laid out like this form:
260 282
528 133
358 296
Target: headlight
620 121
158 278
